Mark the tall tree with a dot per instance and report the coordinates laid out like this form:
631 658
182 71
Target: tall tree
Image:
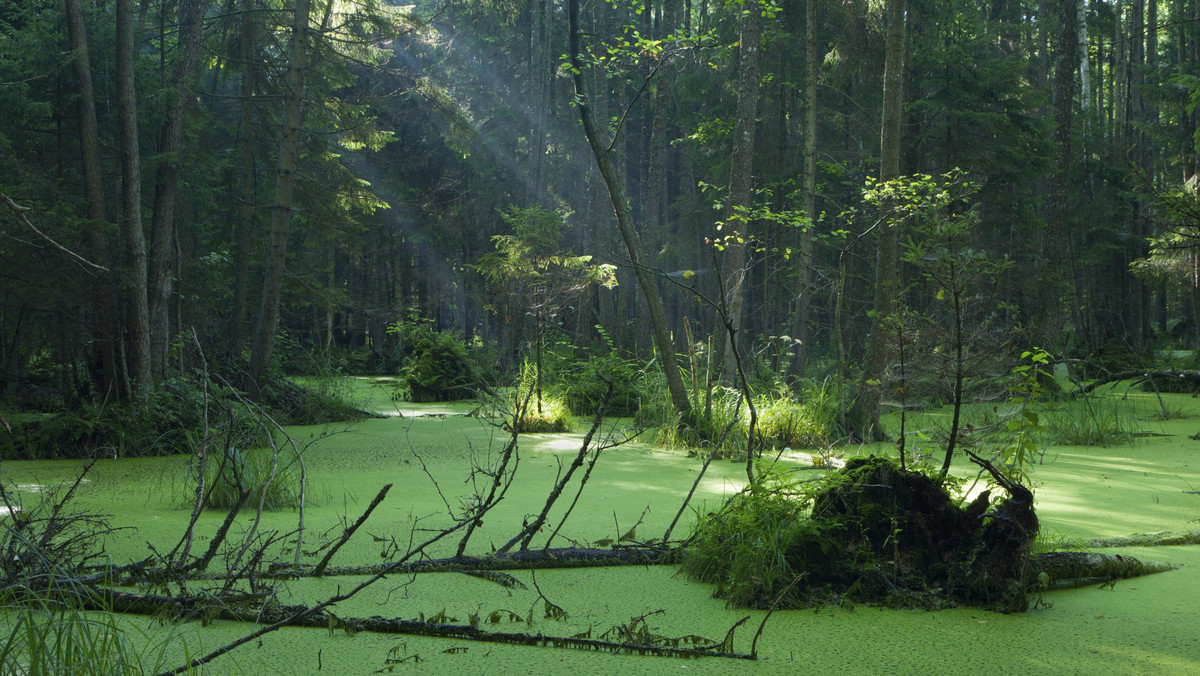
741 185
281 211
104 334
135 287
633 246
1056 242
805 260
161 263
887 271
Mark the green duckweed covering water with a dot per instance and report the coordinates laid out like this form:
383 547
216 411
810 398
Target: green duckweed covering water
1141 626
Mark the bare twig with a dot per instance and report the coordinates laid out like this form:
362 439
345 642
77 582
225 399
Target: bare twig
20 211
350 531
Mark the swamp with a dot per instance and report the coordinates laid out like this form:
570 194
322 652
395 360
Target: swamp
621 336
1086 497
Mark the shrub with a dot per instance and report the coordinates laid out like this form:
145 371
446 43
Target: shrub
441 369
584 390
158 424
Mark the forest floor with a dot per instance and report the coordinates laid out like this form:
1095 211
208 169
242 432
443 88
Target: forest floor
1138 626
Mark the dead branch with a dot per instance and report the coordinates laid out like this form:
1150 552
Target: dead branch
317 617
1192 377
20 211
561 557
320 569
528 531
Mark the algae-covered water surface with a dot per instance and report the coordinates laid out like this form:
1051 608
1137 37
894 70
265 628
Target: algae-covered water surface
1142 625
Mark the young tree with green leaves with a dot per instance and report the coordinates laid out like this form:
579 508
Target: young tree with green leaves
538 277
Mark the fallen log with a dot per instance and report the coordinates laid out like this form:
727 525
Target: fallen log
208 609
1163 539
1067 570
539 559
1190 376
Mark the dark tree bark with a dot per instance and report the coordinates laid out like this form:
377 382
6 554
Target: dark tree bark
281 210
138 329
887 258
162 241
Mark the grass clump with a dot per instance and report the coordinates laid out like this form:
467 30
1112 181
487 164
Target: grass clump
755 544
257 473
808 420
50 634
550 415
804 419
1090 421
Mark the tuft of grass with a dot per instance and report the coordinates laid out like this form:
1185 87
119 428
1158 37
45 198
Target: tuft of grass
1091 421
47 635
754 545
807 420
553 415
1056 541
45 628
255 471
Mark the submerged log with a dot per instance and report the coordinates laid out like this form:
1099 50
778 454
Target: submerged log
1163 539
1065 570
1189 376
538 559
208 609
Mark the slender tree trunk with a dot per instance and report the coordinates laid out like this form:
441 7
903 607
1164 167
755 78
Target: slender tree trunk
804 262
138 330
162 240
1057 239
281 211
741 186
886 260
244 214
662 336
103 302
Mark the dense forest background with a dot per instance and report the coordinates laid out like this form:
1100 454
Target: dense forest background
305 185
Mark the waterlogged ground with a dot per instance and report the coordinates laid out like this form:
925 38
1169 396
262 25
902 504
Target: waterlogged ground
1141 626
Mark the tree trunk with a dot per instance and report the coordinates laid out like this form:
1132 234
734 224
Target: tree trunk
104 329
1057 237
138 330
244 217
741 188
616 192
804 261
162 240
281 211
886 260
